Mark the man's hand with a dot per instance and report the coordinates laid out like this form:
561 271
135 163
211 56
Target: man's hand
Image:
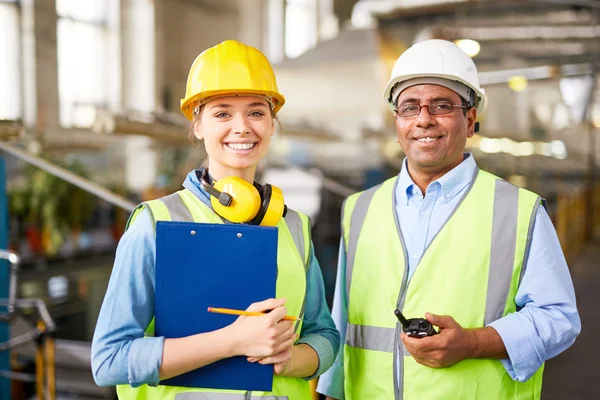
453 343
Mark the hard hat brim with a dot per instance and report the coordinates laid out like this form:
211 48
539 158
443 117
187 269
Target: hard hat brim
187 105
480 93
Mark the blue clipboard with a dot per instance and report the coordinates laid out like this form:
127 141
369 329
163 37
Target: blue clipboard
213 265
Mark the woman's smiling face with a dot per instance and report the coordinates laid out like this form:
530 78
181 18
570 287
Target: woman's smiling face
237 132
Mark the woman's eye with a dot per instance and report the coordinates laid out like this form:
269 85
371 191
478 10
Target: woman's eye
257 114
222 115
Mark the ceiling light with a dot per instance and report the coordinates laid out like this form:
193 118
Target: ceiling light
517 83
469 46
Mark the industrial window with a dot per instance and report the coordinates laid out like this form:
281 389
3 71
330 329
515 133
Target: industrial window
10 61
296 26
300 26
87 44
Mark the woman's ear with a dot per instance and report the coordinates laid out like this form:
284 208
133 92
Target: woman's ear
197 131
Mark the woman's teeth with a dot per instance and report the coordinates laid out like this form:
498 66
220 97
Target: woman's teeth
427 139
240 146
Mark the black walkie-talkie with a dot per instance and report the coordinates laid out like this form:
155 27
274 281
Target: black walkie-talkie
415 327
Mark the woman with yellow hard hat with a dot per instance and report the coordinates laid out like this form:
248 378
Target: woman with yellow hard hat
232 100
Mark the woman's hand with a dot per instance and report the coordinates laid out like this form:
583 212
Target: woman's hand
264 336
299 361
281 362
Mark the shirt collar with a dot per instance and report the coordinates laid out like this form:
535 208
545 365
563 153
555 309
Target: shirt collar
192 184
451 184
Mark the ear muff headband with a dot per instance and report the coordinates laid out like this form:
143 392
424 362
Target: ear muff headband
225 199
265 196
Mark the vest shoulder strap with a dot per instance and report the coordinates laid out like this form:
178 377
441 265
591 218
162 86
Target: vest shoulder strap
299 226
354 211
167 208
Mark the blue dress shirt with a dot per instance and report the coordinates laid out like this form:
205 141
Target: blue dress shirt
120 352
547 322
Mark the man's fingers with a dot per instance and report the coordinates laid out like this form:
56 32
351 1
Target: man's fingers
419 347
422 361
443 321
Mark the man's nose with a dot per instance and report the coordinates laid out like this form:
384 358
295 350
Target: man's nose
424 118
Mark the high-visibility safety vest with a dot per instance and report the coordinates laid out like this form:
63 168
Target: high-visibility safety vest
471 271
292 261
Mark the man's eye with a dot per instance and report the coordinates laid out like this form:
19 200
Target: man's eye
442 106
409 108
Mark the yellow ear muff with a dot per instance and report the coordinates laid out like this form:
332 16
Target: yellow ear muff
245 200
275 208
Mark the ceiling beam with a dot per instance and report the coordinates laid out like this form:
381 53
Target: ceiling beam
499 33
576 3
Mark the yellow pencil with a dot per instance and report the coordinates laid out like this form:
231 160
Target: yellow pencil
248 313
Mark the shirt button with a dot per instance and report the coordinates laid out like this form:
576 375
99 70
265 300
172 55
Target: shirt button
416 255
448 196
423 214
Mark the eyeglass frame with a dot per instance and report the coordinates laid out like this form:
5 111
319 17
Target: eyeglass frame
464 107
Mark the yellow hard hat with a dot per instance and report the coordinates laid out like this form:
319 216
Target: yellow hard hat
233 68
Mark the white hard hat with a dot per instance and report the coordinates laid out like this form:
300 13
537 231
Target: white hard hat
436 59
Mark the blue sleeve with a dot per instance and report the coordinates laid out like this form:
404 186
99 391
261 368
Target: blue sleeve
318 329
120 352
547 322
331 382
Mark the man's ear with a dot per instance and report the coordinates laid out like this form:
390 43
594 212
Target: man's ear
471 121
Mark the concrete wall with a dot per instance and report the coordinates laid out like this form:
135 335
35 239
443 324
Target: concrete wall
185 30
343 98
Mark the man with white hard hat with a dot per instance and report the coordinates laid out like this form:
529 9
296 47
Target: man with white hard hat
476 258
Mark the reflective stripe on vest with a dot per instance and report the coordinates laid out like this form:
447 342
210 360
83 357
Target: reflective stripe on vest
186 207
224 396
512 214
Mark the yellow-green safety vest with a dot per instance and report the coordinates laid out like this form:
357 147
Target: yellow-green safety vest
292 261
471 271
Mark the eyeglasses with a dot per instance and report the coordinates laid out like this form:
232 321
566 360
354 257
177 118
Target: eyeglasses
437 108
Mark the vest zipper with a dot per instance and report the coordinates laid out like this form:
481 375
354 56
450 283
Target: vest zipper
398 365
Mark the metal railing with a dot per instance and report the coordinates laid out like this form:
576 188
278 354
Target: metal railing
42 335
85 184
